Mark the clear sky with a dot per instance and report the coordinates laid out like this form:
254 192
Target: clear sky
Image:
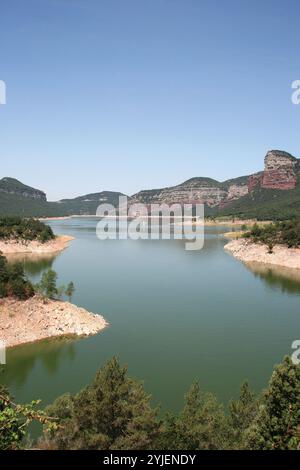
132 94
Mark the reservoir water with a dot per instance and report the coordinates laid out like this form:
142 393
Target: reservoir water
175 316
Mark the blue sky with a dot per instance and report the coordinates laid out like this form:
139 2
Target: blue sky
127 95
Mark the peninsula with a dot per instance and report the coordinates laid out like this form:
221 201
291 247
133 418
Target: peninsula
19 235
273 244
35 319
30 312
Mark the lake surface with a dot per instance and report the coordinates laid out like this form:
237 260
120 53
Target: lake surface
175 316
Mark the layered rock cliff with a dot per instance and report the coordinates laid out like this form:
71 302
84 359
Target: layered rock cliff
196 190
281 172
237 195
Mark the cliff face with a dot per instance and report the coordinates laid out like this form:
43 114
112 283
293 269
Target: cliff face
13 186
281 172
196 190
255 181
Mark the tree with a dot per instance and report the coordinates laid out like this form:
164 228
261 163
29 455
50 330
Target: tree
48 283
13 282
202 423
278 422
15 420
70 290
242 413
113 412
60 291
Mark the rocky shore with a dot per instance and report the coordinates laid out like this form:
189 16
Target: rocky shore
61 242
35 319
249 252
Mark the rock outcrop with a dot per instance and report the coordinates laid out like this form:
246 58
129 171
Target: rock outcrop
255 181
281 172
196 190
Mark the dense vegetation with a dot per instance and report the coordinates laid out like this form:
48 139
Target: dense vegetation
24 229
17 205
283 233
13 282
114 412
264 204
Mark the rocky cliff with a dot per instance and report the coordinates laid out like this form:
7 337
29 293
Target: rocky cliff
235 196
196 190
281 172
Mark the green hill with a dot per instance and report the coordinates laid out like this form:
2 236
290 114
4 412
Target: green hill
265 204
20 200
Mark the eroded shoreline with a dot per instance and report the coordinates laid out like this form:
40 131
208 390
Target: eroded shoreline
9 247
249 252
35 319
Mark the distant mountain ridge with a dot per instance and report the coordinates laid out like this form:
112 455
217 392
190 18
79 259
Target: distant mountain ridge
271 193
13 186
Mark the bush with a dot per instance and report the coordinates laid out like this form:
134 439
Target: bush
282 233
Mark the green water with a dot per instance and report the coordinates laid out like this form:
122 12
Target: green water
174 316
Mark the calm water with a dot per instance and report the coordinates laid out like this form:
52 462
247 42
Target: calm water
174 316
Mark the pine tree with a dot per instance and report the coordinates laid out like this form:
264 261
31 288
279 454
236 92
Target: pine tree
242 414
278 422
202 424
113 412
48 283
70 290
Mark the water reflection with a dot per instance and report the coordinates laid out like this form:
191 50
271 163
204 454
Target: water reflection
277 277
34 263
23 359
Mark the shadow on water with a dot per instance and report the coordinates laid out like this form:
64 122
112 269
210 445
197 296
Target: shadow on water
23 359
277 277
